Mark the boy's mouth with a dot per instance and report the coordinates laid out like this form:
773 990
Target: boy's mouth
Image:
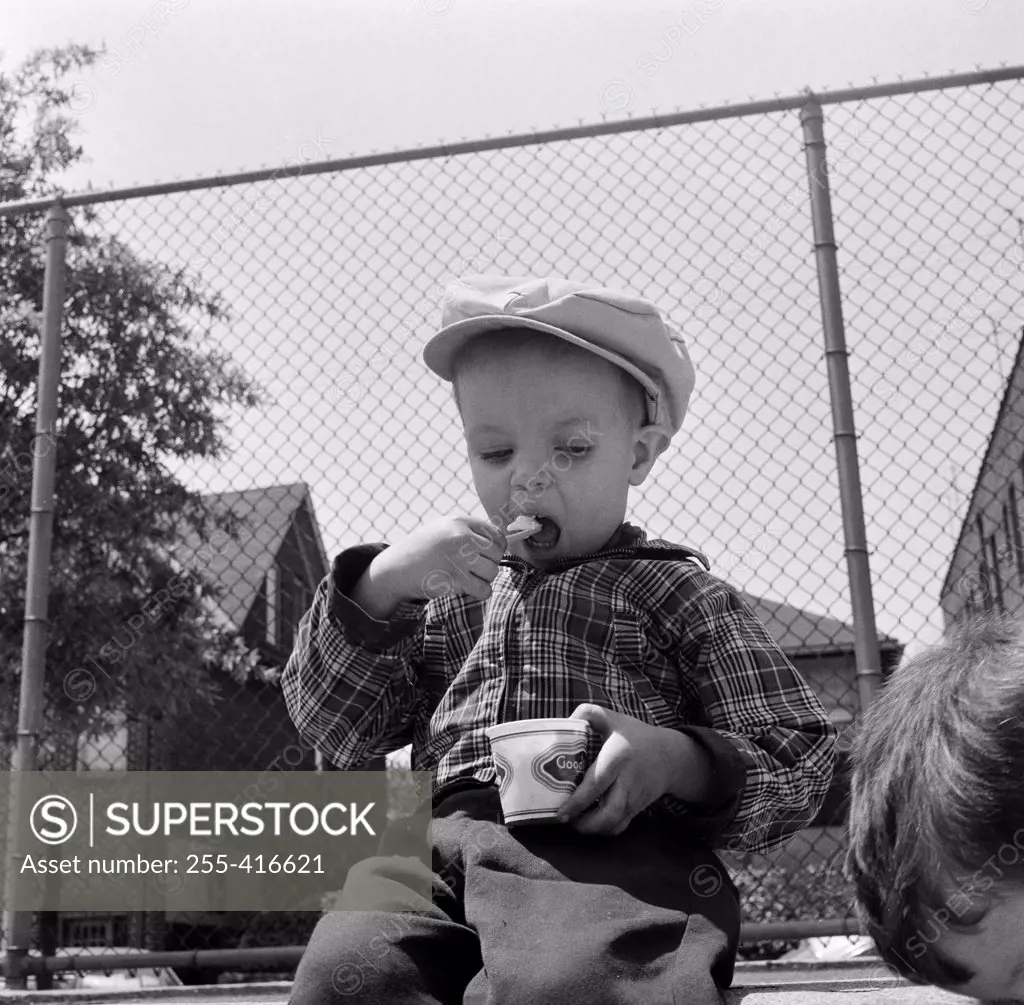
546 538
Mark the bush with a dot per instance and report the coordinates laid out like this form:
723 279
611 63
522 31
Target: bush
775 893
278 928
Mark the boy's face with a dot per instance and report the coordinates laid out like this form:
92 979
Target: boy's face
994 951
549 433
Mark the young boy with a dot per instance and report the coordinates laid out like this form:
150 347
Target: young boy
708 737
937 814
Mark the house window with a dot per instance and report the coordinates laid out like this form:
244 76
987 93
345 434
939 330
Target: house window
89 931
997 578
272 605
1018 549
1007 533
295 599
984 574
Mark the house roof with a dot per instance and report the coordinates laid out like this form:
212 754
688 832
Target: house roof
239 564
804 633
239 567
1011 391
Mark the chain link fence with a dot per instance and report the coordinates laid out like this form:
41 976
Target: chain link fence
318 292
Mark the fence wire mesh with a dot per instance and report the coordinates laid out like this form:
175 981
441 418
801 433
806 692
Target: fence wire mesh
292 312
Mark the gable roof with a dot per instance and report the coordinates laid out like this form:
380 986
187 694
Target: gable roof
804 633
239 567
1011 398
239 564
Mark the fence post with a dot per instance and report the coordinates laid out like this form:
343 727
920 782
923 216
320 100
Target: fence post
18 924
869 664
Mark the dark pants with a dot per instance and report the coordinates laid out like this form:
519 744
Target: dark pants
535 915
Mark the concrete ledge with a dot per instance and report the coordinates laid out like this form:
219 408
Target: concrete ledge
852 992
796 988
263 992
766 972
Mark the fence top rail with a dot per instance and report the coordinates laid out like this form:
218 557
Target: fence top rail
445 150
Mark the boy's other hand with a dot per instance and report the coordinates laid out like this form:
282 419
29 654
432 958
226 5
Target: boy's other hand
637 764
456 554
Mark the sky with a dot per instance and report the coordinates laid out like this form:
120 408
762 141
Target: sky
193 87
189 89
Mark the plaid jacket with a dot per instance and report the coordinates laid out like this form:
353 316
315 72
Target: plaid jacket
639 628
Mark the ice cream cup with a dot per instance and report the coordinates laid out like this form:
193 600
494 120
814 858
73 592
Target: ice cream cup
539 763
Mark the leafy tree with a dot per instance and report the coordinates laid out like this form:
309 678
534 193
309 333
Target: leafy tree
138 392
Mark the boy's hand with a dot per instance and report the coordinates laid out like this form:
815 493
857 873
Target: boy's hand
637 764
455 554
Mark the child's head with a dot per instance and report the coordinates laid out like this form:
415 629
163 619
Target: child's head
554 425
937 813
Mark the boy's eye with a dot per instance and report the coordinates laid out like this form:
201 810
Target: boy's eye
502 455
